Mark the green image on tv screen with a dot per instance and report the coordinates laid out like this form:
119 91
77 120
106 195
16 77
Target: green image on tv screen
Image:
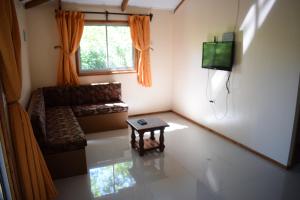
217 55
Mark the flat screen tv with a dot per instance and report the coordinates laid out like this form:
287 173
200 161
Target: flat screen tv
218 55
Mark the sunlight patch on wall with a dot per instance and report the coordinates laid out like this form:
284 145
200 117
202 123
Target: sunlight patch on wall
249 27
254 19
264 7
218 119
218 80
212 180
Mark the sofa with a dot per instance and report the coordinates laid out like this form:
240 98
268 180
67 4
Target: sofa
62 115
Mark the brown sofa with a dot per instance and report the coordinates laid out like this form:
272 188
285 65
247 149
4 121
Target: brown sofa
61 116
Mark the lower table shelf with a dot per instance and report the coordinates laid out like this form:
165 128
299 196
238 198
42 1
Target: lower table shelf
148 144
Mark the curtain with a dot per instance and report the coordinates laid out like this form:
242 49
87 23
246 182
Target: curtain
140 35
34 177
7 148
70 26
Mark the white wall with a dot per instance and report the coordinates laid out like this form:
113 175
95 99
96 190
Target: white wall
43 58
264 83
26 82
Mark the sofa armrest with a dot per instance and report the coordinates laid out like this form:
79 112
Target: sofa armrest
37 115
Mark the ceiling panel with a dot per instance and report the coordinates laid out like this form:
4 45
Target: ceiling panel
157 4
96 2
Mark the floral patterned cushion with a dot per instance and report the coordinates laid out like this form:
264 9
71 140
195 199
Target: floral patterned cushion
94 94
36 112
54 123
63 131
57 96
84 110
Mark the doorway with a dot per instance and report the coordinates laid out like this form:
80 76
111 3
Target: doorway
294 158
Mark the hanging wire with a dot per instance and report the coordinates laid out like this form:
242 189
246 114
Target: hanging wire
212 101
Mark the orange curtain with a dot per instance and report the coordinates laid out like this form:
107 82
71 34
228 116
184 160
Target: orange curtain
70 27
140 35
34 177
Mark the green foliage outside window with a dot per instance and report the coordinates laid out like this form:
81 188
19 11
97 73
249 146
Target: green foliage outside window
106 48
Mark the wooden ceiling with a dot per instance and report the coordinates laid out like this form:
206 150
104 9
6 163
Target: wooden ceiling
33 3
124 5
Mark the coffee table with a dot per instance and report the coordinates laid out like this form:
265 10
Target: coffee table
151 143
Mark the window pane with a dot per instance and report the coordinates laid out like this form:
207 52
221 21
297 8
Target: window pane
120 51
93 48
98 53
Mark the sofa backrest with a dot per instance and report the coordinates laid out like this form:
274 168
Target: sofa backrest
37 115
82 94
97 93
57 96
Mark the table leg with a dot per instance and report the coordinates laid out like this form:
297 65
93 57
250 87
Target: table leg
132 138
161 140
152 135
141 143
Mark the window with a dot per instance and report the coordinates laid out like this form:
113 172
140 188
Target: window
105 48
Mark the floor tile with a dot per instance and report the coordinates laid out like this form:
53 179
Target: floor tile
195 165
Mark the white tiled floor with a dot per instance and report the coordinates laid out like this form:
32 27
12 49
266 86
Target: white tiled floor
195 165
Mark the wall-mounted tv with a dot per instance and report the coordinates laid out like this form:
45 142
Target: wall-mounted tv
218 55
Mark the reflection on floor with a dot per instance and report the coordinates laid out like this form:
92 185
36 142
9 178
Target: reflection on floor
195 165
110 179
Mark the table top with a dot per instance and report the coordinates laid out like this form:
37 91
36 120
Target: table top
152 124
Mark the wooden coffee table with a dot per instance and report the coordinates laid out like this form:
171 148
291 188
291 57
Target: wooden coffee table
151 143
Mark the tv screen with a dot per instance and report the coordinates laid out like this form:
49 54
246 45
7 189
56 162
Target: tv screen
218 55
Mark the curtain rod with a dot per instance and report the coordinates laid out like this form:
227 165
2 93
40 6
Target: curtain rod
115 13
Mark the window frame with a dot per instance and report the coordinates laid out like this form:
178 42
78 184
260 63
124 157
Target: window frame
110 71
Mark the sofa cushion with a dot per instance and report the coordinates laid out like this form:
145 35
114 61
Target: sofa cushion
84 110
63 131
95 94
36 112
57 96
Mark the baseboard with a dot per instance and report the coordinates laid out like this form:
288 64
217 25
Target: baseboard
234 142
150 113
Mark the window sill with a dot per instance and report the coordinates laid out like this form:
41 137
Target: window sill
111 72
